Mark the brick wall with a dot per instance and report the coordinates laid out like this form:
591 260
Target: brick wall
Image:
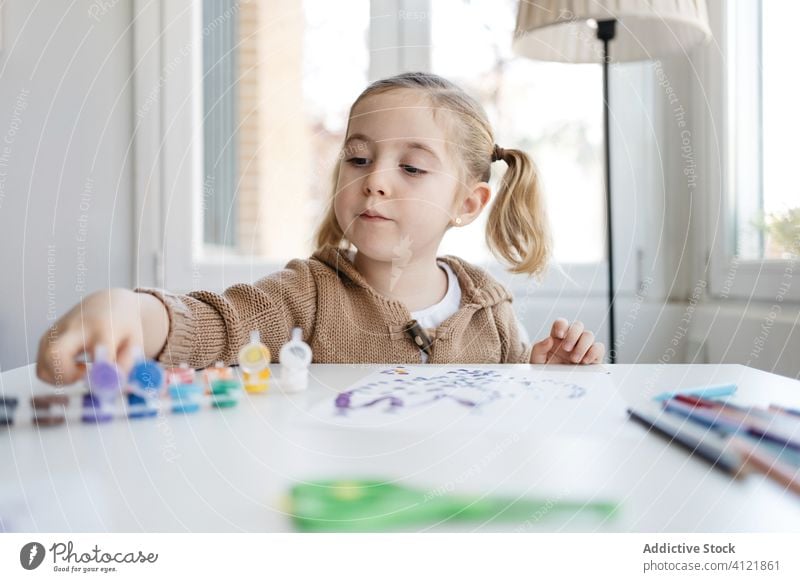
275 216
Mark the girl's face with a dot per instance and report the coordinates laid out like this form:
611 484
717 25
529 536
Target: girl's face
397 181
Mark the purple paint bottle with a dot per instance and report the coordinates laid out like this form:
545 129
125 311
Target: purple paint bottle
105 384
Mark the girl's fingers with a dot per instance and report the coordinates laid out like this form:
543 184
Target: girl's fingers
540 351
115 342
595 354
127 353
55 362
101 345
559 329
573 335
581 347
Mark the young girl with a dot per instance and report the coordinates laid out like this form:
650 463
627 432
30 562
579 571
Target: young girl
415 162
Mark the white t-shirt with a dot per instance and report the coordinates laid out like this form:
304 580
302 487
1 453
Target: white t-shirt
433 316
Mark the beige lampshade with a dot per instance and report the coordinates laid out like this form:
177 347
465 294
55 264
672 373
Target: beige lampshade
562 30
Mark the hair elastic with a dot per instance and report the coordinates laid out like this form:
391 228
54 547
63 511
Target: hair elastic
498 153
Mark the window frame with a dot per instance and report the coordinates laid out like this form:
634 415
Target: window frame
730 277
169 163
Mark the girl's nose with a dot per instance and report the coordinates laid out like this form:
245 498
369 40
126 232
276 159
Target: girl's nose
379 191
375 184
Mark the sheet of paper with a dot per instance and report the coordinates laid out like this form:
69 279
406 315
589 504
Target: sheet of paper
433 398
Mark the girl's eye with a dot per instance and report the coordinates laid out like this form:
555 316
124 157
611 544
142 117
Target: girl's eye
412 171
359 162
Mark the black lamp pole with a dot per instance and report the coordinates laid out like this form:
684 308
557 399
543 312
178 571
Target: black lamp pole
606 29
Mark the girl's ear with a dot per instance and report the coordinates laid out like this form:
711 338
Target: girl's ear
474 203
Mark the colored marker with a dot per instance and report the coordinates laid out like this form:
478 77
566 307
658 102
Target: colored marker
707 417
784 410
759 459
713 391
764 413
781 452
707 443
778 424
735 420
738 454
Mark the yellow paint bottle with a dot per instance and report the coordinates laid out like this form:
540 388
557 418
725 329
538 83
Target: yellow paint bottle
254 359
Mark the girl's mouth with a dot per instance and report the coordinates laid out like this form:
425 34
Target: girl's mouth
369 218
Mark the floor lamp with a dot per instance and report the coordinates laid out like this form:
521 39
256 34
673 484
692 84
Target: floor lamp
583 31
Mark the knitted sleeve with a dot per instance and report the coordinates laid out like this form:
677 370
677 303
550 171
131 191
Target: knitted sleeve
512 349
206 327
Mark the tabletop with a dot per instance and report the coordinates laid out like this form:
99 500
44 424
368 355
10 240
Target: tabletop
230 470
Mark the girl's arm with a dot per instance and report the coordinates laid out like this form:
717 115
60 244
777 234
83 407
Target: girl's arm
198 328
205 327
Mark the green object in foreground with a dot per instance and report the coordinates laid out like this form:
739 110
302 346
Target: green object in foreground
374 505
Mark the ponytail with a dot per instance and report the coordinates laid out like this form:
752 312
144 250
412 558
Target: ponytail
517 229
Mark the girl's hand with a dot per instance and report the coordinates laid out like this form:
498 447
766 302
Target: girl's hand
568 344
117 319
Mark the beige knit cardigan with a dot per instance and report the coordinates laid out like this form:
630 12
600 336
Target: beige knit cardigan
343 319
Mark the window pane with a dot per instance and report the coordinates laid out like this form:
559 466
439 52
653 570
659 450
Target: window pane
552 111
219 130
298 67
781 127
764 125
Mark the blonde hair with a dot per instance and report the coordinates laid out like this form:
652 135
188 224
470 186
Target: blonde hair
517 230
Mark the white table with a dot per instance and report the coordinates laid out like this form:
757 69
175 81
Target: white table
229 470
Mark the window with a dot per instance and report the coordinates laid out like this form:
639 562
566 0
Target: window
745 99
762 89
220 147
244 105
561 129
278 81
273 125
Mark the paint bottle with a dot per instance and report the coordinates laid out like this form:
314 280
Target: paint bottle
184 393
254 359
144 384
49 409
105 384
295 357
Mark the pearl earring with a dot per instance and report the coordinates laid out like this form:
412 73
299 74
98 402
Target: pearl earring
458 221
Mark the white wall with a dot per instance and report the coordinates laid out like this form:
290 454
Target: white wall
65 129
